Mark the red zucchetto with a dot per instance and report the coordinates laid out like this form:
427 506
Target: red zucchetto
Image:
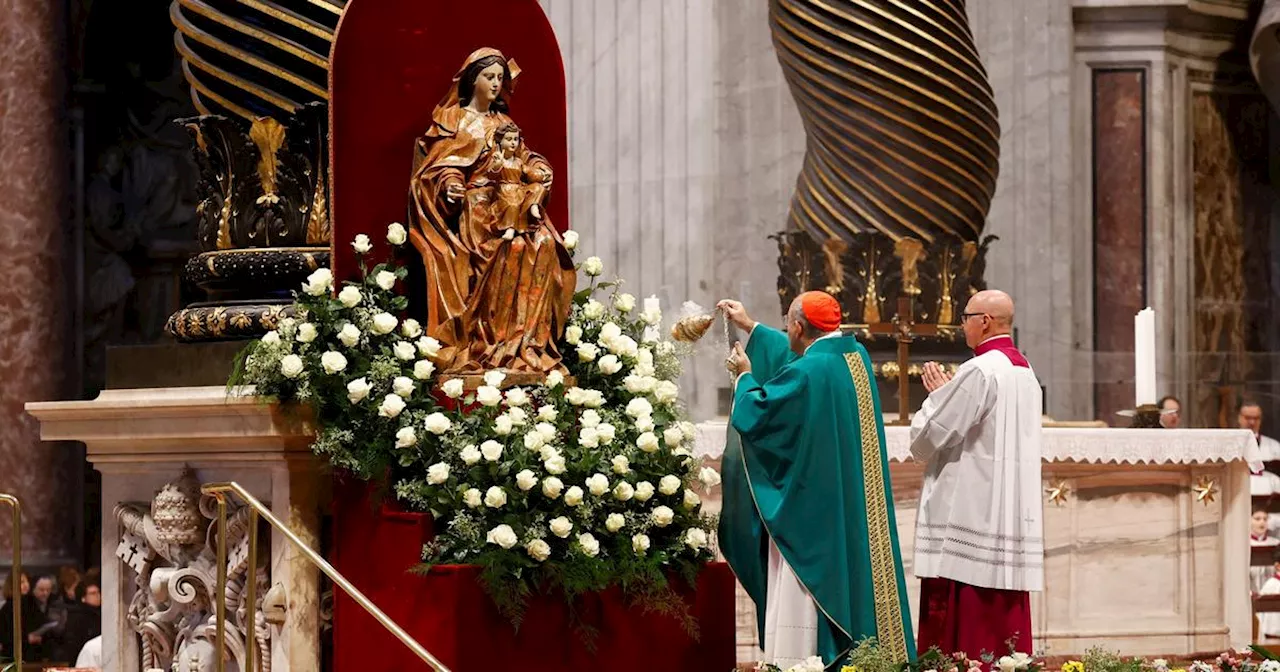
821 310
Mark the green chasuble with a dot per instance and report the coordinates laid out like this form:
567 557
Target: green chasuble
805 464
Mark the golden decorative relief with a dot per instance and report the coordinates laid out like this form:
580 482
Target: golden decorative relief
268 135
910 251
318 226
946 279
833 251
1205 489
871 298
1057 492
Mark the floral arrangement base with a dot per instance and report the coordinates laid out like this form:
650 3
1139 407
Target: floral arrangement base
449 612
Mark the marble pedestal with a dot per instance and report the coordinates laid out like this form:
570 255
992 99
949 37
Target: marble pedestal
1138 558
142 439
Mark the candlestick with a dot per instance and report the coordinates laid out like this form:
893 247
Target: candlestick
1144 354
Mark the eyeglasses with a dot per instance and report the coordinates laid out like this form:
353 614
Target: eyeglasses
964 317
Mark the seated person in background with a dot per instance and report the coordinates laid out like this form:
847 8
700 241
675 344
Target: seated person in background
82 623
1170 412
1259 524
1250 418
1269 622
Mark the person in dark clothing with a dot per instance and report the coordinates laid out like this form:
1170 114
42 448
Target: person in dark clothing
31 617
83 622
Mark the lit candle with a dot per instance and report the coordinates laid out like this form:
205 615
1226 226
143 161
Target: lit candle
652 304
1144 355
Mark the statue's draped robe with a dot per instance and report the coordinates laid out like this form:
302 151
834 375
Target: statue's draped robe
805 470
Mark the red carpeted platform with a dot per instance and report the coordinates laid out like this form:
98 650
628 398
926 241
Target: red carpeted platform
450 614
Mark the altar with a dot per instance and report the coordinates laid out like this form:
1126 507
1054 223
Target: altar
1145 538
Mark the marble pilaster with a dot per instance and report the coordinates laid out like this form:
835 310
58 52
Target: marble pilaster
35 305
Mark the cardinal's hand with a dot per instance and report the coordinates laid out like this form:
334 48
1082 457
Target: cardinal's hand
738 363
935 376
736 314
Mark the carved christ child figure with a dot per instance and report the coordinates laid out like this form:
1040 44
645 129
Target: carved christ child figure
499 279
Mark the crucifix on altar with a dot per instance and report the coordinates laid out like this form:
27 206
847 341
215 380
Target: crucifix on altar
904 330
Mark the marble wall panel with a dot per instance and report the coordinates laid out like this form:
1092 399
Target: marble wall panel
1119 230
34 314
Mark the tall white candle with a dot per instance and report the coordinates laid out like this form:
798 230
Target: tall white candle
652 304
1144 354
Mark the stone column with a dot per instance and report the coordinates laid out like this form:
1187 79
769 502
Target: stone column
35 305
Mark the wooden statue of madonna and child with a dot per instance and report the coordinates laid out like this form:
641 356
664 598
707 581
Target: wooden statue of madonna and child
500 280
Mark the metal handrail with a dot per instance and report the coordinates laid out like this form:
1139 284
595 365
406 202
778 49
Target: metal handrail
219 491
15 576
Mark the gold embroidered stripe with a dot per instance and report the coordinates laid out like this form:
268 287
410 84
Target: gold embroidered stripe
884 572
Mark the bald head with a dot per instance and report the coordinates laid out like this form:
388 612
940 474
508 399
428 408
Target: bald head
995 303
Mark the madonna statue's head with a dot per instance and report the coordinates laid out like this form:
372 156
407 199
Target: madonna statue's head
485 79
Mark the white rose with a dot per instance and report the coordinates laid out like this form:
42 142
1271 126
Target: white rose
470 455
710 477
669 485
502 535
547 430
488 395
384 323
410 328
587 352
548 452
547 413
552 487
428 347
385 279
593 310
640 543
404 351
624 346
561 527
590 547
357 390
438 423
1021 660
319 282
349 335
666 392
423 368
644 424
623 492
555 379
1007 664
406 437
621 465
349 296
593 266
662 516
271 337
614 522
639 408
598 484
396 235
573 334
570 240
362 244
494 378
593 398
291 366
644 491
646 371
437 473
525 480
647 442
517 415
402 386
625 303
517 397
472 498
391 406
492 450
307 332
333 362
672 436
503 425
452 388
589 418
636 384
695 538
691 500
609 365
609 332
573 496
534 440
589 438
554 465
538 550
495 497
651 317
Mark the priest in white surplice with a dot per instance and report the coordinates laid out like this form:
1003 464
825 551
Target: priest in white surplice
979 538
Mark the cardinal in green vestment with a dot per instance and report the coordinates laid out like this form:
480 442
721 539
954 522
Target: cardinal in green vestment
807 521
